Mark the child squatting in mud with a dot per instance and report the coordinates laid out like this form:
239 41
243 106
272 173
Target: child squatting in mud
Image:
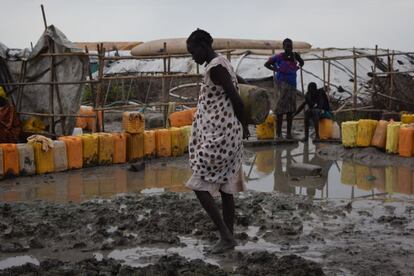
216 148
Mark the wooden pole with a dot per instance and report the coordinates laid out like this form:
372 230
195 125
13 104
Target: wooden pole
51 89
228 51
101 52
93 94
374 71
44 16
20 87
301 80
354 92
273 73
164 91
392 88
329 79
323 69
389 77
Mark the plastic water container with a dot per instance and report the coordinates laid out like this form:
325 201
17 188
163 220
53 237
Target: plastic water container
366 130
106 148
336 131
182 118
149 144
135 146
187 134
266 130
380 135
10 159
325 129
405 141
44 160
393 130
90 149
163 142
1 162
177 145
120 148
74 151
27 164
133 122
77 131
349 133
60 156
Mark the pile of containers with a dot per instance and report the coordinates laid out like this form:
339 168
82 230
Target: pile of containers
328 129
392 137
87 150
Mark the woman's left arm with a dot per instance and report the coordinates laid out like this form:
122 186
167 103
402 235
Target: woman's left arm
220 76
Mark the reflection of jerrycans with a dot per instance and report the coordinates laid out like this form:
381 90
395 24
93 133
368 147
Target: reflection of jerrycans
180 176
11 196
404 183
46 191
107 186
164 177
265 161
120 181
362 177
150 177
391 179
75 187
379 178
348 173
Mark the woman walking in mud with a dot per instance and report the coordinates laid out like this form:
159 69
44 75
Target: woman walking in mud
216 141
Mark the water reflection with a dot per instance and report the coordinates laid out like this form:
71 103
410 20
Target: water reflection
102 182
266 169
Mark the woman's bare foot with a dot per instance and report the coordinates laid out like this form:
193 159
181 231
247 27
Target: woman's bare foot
223 245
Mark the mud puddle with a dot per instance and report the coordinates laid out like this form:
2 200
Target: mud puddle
151 233
265 170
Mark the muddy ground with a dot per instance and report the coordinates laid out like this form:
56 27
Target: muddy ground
301 237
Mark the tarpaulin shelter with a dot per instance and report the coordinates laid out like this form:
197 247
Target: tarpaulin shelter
46 81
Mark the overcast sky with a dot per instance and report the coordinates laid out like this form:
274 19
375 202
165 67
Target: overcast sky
323 23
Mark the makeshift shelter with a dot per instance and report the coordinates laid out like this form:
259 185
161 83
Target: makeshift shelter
46 81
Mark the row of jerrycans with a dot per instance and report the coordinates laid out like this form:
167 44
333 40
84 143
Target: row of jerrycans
393 137
87 150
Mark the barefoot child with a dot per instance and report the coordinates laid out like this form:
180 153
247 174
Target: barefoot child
216 141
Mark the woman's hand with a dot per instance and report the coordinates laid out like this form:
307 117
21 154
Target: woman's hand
246 133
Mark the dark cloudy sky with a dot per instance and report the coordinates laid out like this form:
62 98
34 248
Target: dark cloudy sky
323 23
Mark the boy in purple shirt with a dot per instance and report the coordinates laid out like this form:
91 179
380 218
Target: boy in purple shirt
285 66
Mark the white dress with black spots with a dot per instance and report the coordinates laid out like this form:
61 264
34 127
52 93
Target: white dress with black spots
216 146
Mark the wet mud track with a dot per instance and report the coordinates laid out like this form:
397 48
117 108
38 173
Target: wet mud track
169 234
